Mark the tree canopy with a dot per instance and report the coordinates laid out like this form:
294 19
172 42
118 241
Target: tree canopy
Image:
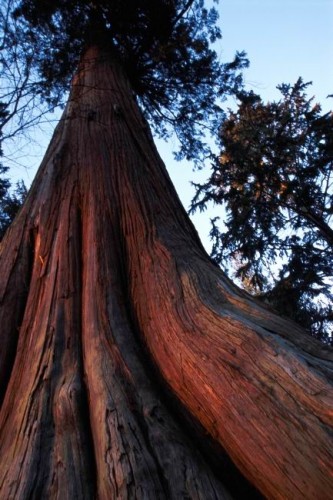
165 48
274 177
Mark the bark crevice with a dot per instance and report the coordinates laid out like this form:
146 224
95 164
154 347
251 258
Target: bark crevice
85 402
13 304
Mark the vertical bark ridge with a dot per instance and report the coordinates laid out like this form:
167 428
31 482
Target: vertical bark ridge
43 439
13 297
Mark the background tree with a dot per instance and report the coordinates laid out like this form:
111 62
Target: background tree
23 103
275 179
10 201
21 106
124 349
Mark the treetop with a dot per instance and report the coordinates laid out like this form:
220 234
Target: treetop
164 46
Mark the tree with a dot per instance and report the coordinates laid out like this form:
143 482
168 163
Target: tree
124 348
22 97
275 178
10 202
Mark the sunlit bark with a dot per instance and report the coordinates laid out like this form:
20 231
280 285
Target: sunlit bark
109 303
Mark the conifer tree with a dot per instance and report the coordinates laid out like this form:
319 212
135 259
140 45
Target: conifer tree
274 177
131 367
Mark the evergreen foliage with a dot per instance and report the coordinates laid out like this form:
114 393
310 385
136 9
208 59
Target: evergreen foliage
274 177
10 201
163 45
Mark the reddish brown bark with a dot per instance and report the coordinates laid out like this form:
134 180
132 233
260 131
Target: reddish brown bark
103 274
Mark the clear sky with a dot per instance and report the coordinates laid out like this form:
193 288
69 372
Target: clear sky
284 39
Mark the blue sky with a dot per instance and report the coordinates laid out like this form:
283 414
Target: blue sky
284 39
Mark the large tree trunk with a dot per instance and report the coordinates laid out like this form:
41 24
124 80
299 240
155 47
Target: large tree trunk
119 337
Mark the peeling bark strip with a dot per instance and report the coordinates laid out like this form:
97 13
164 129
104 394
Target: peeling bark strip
102 265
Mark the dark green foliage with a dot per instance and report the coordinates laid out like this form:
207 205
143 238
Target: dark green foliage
10 202
163 45
275 179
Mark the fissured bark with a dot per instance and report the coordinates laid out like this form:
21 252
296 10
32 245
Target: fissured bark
108 304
